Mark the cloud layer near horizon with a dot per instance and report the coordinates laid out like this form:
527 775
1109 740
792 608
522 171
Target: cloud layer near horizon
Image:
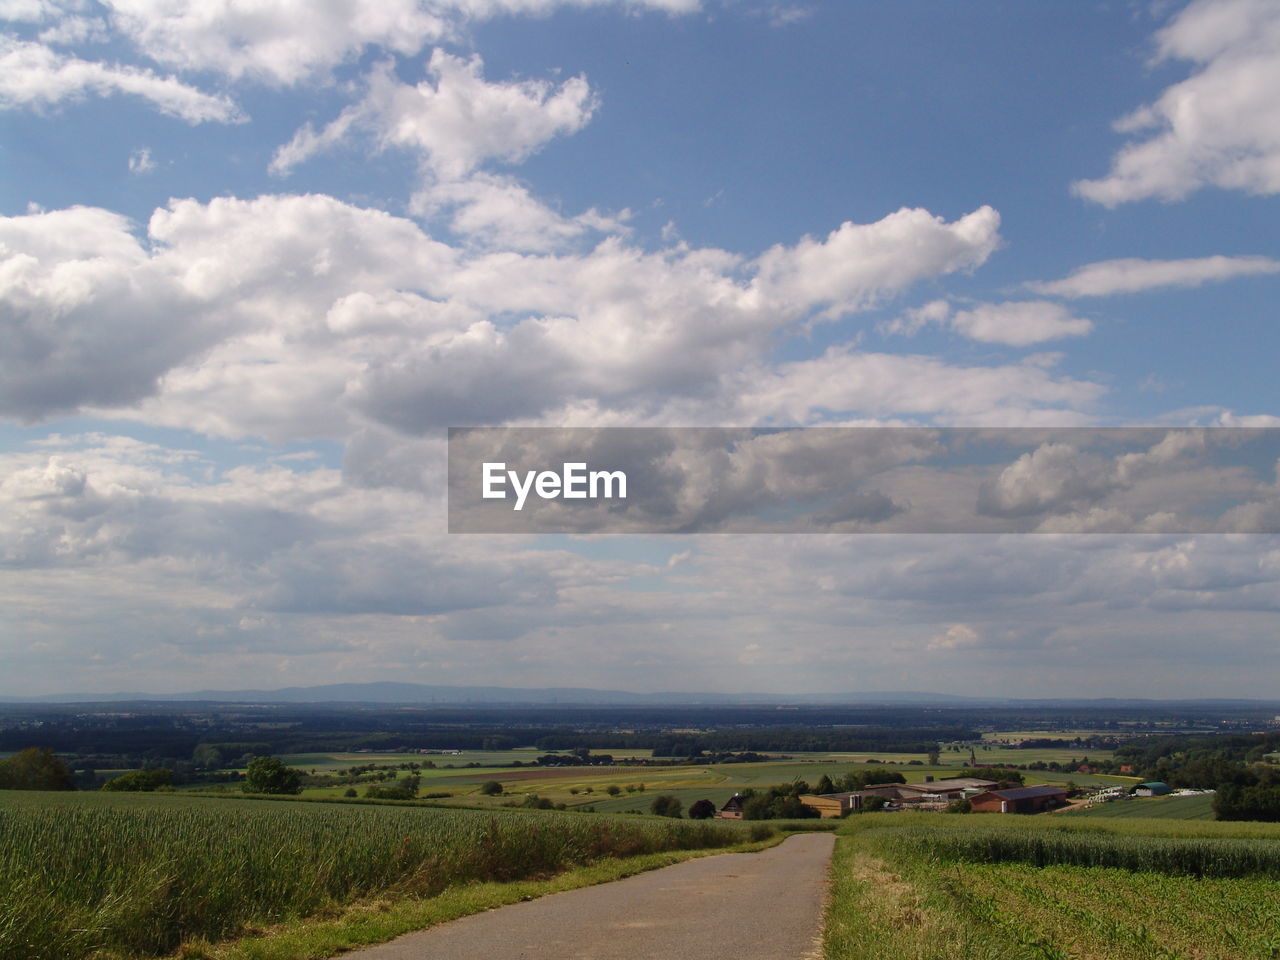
319 336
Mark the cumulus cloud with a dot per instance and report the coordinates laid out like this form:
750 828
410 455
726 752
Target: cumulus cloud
849 382
287 43
32 74
86 317
1134 275
1017 323
857 264
455 120
1221 126
500 213
306 317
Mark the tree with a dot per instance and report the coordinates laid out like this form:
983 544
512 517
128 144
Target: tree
270 775
206 756
933 757
702 810
491 788
666 805
613 789
35 768
824 786
143 781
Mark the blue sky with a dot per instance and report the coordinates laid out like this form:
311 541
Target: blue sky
253 262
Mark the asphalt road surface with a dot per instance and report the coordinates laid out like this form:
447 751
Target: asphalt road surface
737 906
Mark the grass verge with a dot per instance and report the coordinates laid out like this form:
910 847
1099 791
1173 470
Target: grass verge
377 921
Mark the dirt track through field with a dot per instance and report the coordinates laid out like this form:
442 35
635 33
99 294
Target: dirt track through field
738 906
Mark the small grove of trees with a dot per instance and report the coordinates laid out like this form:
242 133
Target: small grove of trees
666 805
491 788
270 775
777 803
702 810
1232 801
405 789
143 781
206 757
35 768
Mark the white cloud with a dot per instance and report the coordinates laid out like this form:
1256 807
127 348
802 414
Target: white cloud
1017 323
1133 275
455 120
500 213
140 161
306 317
1221 126
858 264
958 636
288 42
32 74
844 381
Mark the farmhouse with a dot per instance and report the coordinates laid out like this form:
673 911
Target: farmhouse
732 809
1020 800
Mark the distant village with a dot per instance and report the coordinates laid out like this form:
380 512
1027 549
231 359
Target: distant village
983 796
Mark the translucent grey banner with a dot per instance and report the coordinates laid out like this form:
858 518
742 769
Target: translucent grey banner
863 480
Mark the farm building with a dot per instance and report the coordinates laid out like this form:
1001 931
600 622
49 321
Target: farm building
951 788
1153 788
931 793
1020 800
732 809
831 805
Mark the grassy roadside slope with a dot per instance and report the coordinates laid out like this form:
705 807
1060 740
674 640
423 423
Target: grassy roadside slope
933 886
125 875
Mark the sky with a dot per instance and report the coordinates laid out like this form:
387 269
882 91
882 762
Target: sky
256 257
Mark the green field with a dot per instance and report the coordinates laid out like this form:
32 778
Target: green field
1174 808
138 874
935 886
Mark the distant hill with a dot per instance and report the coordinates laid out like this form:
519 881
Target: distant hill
390 692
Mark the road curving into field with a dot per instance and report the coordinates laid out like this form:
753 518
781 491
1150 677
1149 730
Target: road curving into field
737 906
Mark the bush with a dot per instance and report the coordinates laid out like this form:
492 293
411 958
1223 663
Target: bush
140 780
702 810
666 805
491 788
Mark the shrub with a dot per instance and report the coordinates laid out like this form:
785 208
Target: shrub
702 810
666 805
140 781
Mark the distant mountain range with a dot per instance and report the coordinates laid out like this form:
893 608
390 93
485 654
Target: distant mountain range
390 692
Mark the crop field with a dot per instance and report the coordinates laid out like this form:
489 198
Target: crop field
137 874
1172 808
934 886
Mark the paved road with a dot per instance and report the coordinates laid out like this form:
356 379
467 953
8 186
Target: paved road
738 906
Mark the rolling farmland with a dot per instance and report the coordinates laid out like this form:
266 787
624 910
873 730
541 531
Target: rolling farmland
987 886
138 874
